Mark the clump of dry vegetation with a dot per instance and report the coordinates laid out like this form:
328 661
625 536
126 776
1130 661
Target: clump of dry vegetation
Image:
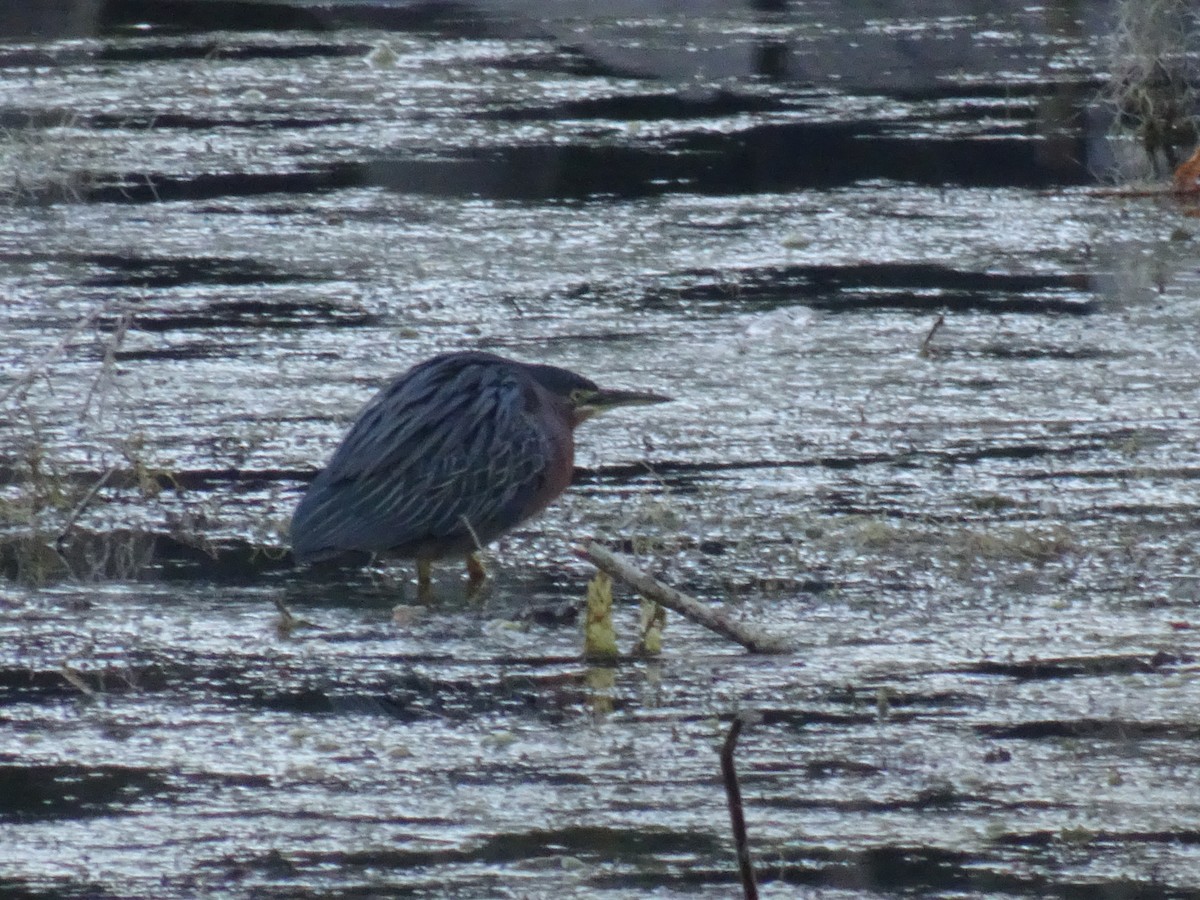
1154 87
44 502
84 495
38 163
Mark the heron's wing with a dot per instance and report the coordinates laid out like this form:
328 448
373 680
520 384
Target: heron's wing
446 449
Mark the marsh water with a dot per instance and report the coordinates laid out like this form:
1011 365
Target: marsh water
935 423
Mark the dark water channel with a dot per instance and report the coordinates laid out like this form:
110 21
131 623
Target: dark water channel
226 223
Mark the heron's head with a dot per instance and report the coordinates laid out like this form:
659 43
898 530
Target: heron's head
592 400
585 398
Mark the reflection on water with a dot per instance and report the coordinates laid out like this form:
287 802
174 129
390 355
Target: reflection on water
228 223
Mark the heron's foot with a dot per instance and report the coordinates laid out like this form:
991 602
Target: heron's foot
476 572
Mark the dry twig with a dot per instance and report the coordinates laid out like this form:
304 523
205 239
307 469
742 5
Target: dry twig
937 323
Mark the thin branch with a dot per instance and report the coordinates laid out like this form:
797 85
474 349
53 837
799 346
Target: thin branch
21 386
737 817
74 678
937 324
105 378
82 505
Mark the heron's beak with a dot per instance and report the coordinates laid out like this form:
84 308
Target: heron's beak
604 399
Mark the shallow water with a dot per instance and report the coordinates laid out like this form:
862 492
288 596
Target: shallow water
223 238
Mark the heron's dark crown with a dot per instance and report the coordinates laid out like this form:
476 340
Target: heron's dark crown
560 382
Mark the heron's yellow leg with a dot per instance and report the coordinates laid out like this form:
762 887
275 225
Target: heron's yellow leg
424 574
476 573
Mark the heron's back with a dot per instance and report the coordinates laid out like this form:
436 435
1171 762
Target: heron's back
442 460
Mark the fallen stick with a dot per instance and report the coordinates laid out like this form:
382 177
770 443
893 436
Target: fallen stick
753 639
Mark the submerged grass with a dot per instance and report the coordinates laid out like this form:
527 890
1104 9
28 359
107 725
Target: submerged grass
966 543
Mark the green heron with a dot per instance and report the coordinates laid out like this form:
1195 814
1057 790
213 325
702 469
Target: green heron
447 457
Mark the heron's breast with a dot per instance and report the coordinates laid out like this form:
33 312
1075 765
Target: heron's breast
562 465
560 451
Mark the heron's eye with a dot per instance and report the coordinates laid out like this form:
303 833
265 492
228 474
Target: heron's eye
579 396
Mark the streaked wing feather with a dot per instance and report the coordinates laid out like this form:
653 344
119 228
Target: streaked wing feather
439 446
